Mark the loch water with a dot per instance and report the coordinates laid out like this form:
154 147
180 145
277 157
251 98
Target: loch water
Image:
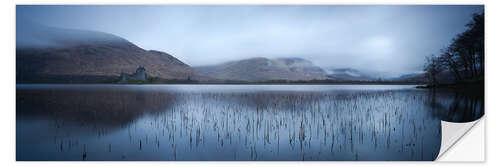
236 122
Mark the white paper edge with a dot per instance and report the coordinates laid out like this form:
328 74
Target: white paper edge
451 133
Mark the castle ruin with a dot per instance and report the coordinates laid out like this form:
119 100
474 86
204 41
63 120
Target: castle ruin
139 75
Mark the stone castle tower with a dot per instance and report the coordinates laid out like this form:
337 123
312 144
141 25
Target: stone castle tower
139 75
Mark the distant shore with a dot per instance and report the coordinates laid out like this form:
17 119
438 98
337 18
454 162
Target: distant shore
458 85
237 83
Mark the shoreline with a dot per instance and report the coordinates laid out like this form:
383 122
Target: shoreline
124 84
459 85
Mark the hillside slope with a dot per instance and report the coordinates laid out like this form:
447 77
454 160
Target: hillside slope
46 54
264 69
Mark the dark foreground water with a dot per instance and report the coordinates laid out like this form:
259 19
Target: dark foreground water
235 122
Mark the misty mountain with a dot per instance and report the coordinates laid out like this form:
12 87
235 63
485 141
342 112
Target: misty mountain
422 77
31 35
411 77
349 74
264 69
48 54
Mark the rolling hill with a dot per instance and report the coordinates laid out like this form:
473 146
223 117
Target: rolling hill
264 69
56 55
348 74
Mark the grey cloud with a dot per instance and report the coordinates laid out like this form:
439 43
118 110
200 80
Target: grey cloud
390 40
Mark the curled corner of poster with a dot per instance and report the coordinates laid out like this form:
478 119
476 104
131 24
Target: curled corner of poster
462 142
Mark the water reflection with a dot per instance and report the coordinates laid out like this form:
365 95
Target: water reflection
252 123
457 106
102 108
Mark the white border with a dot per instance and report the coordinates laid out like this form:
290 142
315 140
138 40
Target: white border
468 147
7 97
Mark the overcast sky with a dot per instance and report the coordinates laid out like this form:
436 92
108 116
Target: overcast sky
390 40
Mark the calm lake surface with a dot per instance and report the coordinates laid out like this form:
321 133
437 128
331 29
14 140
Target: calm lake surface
235 122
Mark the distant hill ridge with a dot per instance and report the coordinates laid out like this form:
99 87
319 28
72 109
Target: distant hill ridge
57 55
264 69
47 54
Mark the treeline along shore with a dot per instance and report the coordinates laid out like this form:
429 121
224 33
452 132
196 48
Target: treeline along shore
66 79
463 59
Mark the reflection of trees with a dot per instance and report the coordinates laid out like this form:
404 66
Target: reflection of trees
465 106
108 108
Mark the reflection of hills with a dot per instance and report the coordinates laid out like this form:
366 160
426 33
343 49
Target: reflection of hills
272 100
188 123
117 106
184 125
108 108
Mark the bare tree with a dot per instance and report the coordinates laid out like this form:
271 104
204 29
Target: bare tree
450 63
433 67
464 57
468 47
